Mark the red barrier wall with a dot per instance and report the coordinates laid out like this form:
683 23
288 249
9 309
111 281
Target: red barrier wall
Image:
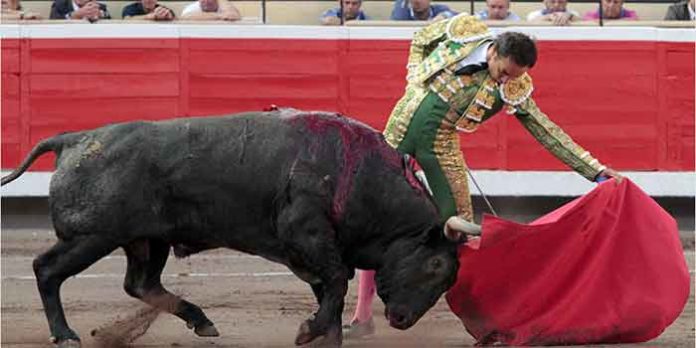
631 103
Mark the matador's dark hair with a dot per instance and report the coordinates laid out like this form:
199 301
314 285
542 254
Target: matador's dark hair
519 47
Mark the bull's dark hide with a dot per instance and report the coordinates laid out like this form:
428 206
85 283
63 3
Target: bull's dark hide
319 193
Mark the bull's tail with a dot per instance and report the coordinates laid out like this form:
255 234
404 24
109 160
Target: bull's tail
54 144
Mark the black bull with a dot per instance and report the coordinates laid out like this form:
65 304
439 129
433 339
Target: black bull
319 193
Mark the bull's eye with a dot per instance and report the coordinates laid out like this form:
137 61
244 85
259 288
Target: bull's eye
435 264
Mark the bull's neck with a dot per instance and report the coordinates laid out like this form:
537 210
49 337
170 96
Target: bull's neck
387 208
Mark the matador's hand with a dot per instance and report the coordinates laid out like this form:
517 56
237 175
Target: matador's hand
610 173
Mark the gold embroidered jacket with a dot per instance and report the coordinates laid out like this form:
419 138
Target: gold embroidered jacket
435 52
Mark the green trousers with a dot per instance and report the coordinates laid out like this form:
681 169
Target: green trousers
433 141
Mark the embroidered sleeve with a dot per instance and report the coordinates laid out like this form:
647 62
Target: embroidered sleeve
556 141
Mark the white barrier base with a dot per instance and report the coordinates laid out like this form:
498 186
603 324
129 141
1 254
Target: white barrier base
492 182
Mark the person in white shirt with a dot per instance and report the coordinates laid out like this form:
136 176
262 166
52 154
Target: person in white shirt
211 10
555 11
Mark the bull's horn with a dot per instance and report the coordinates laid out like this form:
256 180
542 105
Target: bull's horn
457 228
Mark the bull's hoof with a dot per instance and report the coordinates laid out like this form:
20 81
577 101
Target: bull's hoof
304 334
69 343
206 330
323 342
305 337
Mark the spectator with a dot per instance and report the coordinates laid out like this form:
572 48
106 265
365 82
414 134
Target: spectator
681 11
79 9
353 12
221 10
612 9
555 11
12 9
497 10
419 10
148 10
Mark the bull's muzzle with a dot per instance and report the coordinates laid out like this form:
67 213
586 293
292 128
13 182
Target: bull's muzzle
399 317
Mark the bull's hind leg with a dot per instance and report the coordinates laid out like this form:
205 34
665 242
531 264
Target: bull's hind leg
63 260
146 260
309 238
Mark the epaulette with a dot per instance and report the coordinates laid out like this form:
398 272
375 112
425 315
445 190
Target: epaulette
464 28
515 91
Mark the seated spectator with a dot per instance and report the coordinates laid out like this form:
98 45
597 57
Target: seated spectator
147 10
211 10
611 9
419 10
555 11
12 9
497 10
79 9
352 9
681 11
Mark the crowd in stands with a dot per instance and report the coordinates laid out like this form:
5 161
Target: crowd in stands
79 9
403 10
555 11
352 9
151 10
148 10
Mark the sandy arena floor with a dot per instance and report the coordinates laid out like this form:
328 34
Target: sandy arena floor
253 302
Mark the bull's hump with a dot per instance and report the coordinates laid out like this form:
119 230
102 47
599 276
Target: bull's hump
321 122
357 140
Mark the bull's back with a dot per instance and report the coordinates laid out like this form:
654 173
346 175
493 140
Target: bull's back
175 149
245 152
204 174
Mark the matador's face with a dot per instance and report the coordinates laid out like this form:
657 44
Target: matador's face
502 69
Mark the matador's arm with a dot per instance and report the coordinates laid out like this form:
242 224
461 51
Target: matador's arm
552 137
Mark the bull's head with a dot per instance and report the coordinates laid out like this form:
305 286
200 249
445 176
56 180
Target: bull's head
417 271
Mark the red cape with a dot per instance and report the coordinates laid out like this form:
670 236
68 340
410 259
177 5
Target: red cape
607 267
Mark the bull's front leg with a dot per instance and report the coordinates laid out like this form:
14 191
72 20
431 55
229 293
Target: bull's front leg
310 242
327 320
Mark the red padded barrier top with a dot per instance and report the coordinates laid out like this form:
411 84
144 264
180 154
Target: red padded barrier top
630 103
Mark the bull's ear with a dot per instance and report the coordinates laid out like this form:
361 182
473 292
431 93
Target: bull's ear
457 229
